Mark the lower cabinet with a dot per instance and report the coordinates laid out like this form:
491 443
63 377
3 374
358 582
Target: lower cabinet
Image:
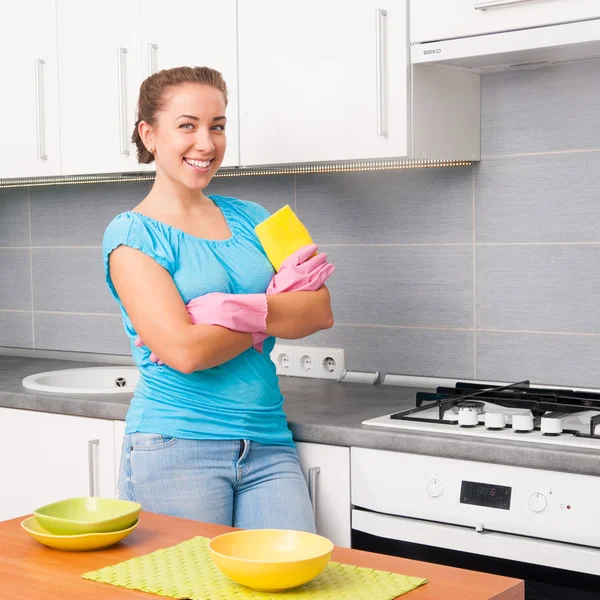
47 457
119 433
327 473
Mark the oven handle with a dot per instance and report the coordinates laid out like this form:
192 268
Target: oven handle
558 555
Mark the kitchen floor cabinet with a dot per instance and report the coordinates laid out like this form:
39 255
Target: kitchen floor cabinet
327 472
167 43
47 457
29 115
432 20
322 81
99 55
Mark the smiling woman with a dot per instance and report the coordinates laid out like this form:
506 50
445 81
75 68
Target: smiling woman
206 436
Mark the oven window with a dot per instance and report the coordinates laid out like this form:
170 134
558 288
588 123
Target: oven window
541 583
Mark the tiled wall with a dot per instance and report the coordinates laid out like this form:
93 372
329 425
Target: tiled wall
489 272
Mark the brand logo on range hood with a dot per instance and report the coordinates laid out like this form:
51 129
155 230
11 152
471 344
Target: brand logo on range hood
434 51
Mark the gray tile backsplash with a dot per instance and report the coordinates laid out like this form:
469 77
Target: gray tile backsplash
83 333
16 329
77 215
414 286
542 110
411 207
552 288
15 279
80 270
14 217
483 272
542 198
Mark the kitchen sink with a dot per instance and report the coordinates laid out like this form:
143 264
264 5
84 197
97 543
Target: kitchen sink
88 380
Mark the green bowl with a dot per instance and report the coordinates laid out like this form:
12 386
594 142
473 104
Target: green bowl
76 516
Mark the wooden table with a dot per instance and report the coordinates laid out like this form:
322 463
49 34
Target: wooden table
29 570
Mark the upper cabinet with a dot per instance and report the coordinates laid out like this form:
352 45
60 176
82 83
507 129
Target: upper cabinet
433 20
308 82
200 33
29 99
322 81
99 53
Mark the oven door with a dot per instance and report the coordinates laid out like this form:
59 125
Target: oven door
562 571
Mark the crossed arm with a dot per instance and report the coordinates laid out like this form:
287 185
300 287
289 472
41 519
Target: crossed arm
160 318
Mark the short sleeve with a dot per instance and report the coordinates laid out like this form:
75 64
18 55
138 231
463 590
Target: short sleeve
132 230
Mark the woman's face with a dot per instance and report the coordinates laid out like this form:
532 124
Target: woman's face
189 135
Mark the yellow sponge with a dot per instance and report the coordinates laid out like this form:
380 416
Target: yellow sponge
282 234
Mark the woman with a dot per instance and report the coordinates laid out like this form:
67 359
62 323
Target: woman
206 435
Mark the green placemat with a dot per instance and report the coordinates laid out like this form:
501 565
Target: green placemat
187 571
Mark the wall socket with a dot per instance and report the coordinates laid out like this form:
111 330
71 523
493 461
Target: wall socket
309 361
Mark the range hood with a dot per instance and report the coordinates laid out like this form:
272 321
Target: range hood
519 49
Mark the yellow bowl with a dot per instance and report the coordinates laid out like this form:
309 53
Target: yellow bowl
74 543
75 516
270 560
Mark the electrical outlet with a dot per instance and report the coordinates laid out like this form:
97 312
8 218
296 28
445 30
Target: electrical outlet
309 361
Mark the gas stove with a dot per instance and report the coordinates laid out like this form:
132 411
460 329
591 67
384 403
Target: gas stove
514 412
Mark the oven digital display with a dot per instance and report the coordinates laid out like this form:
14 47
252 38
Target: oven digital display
485 494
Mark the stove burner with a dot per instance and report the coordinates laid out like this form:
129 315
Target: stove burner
470 404
469 399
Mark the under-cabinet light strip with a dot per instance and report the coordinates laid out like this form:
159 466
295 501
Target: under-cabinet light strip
337 167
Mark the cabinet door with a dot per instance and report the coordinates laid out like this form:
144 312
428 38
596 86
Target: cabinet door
29 99
327 472
432 20
48 457
322 81
119 433
201 33
99 54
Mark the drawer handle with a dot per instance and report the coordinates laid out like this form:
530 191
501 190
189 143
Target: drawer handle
152 56
496 3
93 466
380 15
122 74
39 108
313 478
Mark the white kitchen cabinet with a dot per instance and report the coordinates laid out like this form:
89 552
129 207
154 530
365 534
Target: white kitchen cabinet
100 71
47 457
29 115
200 33
327 472
322 81
119 431
433 20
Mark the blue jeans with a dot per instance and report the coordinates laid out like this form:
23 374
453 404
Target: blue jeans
232 482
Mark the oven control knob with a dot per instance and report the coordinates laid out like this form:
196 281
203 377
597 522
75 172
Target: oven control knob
494 421
435 488
538 502
522 423
551 425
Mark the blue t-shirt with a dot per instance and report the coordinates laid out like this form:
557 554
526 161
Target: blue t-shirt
239 399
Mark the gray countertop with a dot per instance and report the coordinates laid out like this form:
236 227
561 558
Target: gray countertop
318 411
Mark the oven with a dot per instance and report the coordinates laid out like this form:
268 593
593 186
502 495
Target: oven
536 525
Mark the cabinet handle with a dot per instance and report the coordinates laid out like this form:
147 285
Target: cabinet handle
380 43
122 75
93 466
152 48
495 3
39 108
313 474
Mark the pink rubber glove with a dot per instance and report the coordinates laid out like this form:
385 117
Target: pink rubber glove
240 312
299 272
